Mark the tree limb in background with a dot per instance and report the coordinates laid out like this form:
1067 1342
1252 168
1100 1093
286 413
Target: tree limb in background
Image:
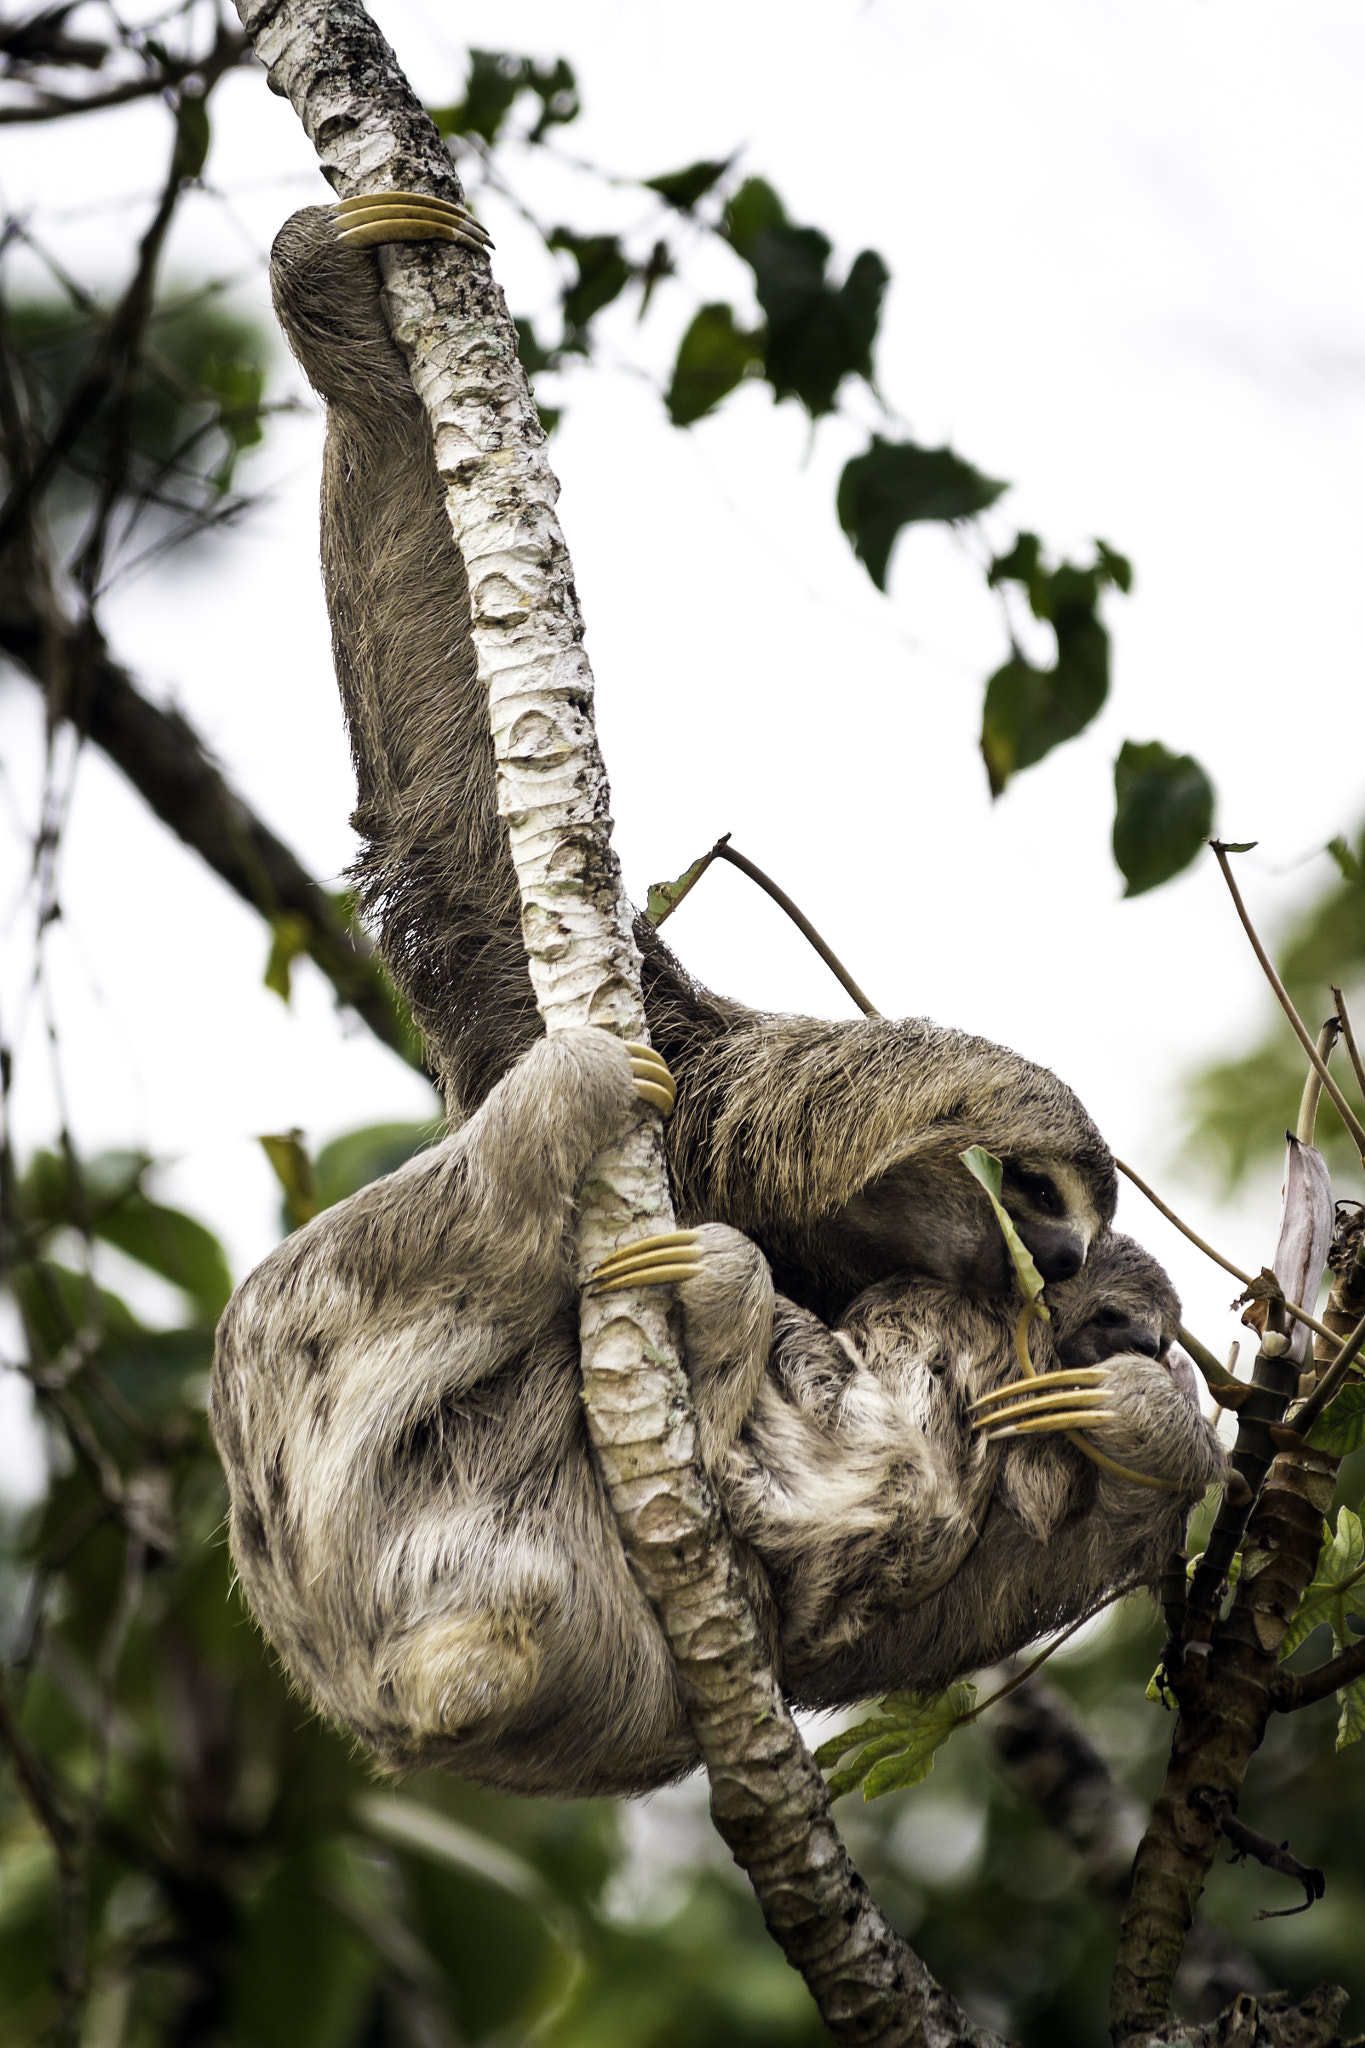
40 42
1053 1762
168 765
768 1798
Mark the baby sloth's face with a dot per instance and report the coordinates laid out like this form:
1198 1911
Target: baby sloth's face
1120 1303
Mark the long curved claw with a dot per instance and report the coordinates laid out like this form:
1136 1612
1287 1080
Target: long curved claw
1050 1401
1044 1382
650 1262
372 218
652 1078
1058 1425
1059 1403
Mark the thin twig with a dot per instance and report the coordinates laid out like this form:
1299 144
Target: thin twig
1296 1689
1013 1684
1300 1315
1312 1087
1343 1107
32 1780
722 850
110 365
1348 1039
230 48
1215 1375
1193 1235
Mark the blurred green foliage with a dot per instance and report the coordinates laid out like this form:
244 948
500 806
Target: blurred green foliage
170 436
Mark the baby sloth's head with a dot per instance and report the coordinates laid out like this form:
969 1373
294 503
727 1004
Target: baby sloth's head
1121 1302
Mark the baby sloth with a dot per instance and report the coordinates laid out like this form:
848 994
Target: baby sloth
421 1528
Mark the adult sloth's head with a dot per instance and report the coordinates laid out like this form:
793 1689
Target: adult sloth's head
836 1147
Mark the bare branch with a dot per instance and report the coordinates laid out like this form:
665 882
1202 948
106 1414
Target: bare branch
1343 1108
1296 1689
170 768
1292 1308
1312 1087
228 49
722 850
1349 1039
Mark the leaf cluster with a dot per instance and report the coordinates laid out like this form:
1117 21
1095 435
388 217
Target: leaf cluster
817 332
895 1748
1336 1596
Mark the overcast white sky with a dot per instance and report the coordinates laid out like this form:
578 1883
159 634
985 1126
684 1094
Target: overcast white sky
1124 243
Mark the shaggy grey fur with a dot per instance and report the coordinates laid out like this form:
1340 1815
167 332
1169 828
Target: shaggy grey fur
420 1526
832 1145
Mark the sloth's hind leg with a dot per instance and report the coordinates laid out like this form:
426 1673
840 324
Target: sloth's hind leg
468 1671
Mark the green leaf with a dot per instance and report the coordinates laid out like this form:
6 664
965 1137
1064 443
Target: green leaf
191 135
1351 869
714 355
59 1304
289 936
303 1968
1340 1428
238 385
496 82
293 1169
1116 567
603 272
897 483
1351 1723
174 1245
1029 710
1338 1588
1163 813
104 1197
664 897
410 1824
818 333
896 1748
682 189
986 1168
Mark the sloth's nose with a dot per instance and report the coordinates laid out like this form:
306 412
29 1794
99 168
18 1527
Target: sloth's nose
1056 1253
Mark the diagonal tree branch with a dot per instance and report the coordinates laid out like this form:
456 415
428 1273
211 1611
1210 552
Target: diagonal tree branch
768 1798
168 765
1051 1759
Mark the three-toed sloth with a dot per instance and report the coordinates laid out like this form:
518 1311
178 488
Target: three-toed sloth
420 1525
416 1515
